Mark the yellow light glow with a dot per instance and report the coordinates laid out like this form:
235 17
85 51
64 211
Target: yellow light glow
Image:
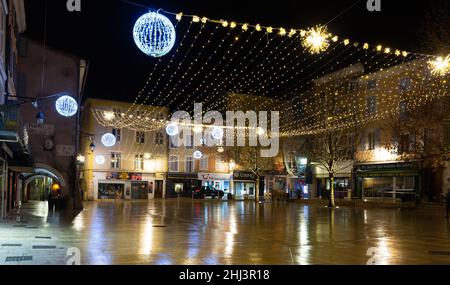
405 53
387 50
269 30
398 53
224 24
303 33
179 16
282 32
346 42
335 39
147 156
382 154
258 28
196 19
109 116
366 46
220 150
198 129
292 32
204 20
233 25
379 48
316 40
440 66
245 27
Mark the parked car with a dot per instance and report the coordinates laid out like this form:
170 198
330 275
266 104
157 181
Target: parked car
207 191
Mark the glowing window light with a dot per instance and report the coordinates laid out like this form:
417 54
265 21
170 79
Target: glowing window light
109 140
198 155
172 129
154 34
316 40
440 66
217 133
66 106
100 160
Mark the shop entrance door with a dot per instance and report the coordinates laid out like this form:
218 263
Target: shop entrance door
159 185
139 191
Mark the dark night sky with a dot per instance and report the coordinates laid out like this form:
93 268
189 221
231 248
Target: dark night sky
101 33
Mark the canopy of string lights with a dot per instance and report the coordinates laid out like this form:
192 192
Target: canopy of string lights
317 80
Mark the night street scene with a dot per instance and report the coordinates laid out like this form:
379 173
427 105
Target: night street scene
224 133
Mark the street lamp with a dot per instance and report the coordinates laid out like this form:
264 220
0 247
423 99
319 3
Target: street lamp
40 118
92 147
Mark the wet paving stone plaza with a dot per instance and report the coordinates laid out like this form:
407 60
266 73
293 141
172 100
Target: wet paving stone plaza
186 232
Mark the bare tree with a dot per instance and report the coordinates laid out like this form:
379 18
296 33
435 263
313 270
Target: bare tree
330 151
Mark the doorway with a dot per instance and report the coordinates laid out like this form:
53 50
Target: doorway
159 188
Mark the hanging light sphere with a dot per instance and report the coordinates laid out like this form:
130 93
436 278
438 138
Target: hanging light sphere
198 155
109 140
217 133
66 106
100 159
154 34
172 129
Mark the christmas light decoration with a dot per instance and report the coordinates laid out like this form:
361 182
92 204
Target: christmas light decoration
66 106
172 129
440 66
100 160
197 155
109 140
217 133
154 34
316 40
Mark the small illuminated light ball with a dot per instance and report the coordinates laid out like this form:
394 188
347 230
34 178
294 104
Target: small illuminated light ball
154 34
66 106
198 155
217 133
260 131
172 129
109 116
220 150
100 160
56 187
109 140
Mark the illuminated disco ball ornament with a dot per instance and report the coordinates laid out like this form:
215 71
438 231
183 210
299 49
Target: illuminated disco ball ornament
217 133
109 140
154 34
100 159
198 155
172 129
66 106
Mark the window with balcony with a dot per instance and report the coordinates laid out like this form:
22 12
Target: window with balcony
189 166
139 162
118 134
159 138
174 164
371 105
116 160
204 163
140 137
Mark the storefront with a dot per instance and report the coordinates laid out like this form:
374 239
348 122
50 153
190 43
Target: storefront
126 186
218 181
181 184
244 185
396 181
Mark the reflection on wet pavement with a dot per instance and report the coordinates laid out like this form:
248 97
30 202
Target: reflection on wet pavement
186 232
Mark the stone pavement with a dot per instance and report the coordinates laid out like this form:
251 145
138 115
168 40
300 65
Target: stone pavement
186 232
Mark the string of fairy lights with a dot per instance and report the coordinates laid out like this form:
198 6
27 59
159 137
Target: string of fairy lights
282 70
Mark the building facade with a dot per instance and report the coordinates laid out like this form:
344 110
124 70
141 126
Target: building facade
46 75
134 166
